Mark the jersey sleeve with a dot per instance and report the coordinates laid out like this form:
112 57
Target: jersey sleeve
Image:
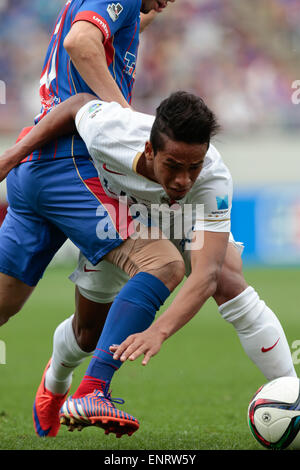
84 123
113 135
215 195
109 17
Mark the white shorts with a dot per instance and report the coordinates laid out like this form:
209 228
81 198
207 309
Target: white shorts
101 283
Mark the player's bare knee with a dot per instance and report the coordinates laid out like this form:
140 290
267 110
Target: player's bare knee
13 295
87 338
3 319
86 335
88 320
158 257
171 274
8 311
87 332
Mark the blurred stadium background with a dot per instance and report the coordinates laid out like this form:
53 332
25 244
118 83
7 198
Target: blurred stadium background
241 56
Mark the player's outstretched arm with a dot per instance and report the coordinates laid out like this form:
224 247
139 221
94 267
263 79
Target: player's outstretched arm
58 122
200 285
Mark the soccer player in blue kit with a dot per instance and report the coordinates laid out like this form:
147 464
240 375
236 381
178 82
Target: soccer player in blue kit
54 194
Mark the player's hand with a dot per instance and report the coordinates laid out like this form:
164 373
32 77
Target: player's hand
147 18
148 343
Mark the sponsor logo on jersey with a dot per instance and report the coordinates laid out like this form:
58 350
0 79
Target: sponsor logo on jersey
94 109
130 61
222 202
103 25
94 106
114 10
218 213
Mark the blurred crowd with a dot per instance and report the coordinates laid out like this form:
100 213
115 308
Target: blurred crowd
241 56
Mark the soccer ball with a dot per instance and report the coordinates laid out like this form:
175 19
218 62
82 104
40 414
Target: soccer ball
274 414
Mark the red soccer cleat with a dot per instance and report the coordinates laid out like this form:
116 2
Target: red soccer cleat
46 409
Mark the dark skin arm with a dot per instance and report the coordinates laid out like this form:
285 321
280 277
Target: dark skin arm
59 122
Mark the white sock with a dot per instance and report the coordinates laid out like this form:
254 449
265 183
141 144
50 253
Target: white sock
66 356
260 333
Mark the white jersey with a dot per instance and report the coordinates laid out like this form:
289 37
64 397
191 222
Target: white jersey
115 138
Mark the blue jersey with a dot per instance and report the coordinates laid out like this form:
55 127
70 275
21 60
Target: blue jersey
119 23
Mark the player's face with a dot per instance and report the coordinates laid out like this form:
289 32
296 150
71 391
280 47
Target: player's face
177 166
157 5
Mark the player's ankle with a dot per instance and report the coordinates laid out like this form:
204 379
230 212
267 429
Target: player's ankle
57 386
89 384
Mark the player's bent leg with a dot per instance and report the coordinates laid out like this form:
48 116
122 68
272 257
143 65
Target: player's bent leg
258 328
13 295
96 288
155 268
80 413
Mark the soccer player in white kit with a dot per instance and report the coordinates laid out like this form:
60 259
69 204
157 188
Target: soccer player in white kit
121 144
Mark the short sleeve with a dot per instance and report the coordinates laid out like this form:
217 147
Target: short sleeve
217 209
87 121
112 134
214 191
109 17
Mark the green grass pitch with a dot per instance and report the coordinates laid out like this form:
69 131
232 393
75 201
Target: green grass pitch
193 395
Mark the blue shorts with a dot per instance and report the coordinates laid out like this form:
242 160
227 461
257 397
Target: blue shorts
48 203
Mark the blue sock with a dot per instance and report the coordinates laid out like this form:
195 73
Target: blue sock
132 311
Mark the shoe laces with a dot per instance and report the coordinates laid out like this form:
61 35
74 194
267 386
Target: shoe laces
105 395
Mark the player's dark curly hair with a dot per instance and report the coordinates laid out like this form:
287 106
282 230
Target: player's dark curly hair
183 117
